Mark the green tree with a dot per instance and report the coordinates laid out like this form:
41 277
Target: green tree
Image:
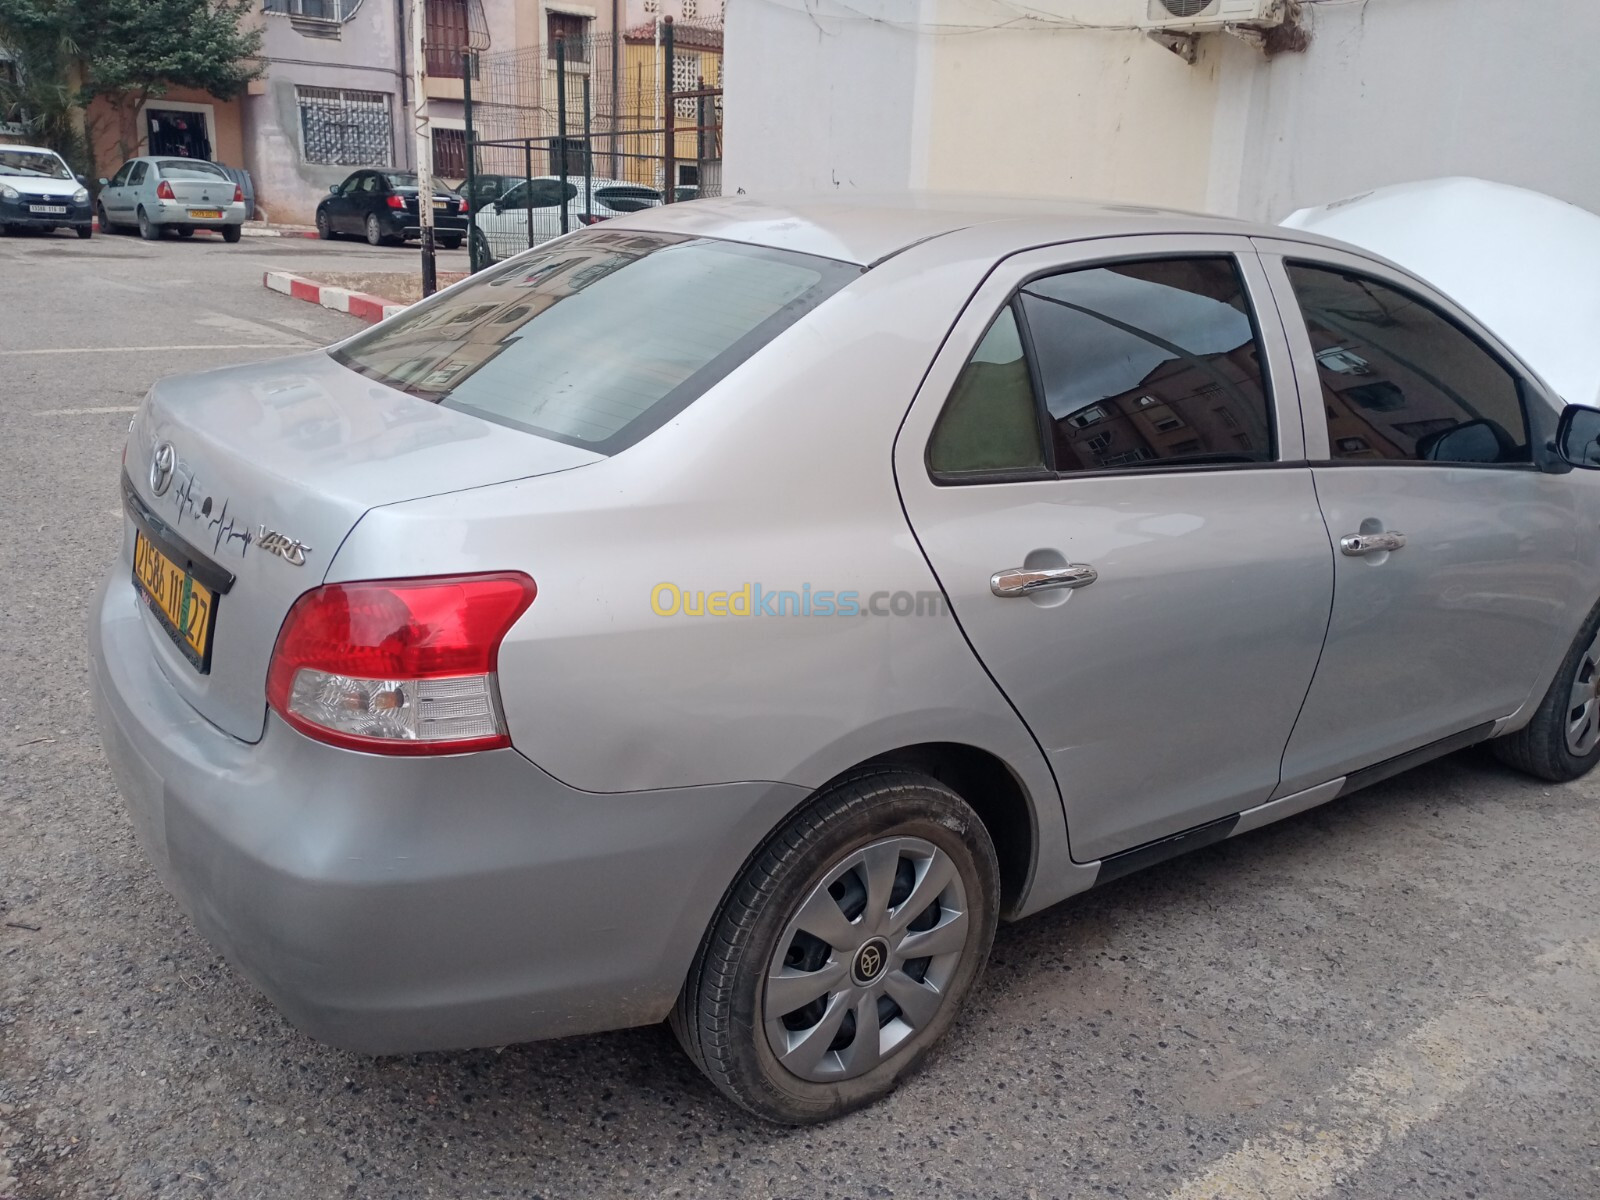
127 51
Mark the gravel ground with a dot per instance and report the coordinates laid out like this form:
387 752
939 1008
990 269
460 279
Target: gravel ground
1394 995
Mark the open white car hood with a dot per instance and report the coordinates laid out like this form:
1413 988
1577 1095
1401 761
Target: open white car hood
1525 264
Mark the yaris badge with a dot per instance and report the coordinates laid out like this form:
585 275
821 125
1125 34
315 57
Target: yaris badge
284 546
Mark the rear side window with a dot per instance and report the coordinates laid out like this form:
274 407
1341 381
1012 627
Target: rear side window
627 199
599 338
990 424
1403 382
1150 364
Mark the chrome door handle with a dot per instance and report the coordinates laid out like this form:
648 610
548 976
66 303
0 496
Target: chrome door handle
1358 544
1022 581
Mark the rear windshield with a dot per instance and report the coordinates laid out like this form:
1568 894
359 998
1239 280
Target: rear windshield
628 198
188 168
599 338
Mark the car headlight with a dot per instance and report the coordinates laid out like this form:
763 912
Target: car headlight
80 196
8 193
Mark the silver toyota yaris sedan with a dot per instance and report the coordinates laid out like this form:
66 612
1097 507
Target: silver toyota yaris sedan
728 613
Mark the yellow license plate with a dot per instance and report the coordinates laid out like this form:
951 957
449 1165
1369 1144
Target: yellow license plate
205 214
183 605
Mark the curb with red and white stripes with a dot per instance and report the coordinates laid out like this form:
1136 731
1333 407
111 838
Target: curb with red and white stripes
357 304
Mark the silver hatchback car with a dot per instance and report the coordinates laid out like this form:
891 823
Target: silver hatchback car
726 614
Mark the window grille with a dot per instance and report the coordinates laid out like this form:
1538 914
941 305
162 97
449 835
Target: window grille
346 128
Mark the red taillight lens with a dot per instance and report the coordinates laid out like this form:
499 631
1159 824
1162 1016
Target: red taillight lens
238 194
463 204
403 666
164 191
396 201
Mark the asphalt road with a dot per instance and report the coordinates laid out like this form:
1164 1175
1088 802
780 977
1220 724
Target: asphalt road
1392 996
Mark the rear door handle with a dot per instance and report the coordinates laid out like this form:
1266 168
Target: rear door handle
1358 544
1023 581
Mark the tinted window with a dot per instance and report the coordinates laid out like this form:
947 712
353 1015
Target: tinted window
188 168
121 177
1150 362
1401 381
628 198
598 339
990 423
140 169
538 193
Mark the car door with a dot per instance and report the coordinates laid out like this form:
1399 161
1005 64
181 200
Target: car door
355 196
111 196
131 192
337 205
1104 469
1458 561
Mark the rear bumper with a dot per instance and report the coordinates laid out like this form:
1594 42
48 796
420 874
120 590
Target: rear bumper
398 905
19 212
178 213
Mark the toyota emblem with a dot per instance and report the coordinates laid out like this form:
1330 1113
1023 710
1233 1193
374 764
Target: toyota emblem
162 464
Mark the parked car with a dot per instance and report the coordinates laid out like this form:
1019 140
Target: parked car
155 194
530 212
382 206
726 614
39 191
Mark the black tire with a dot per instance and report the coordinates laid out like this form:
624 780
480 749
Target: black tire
185 231
481 254
324 226
232 233
450 243
84 231
375 234
105 222
1541 747
148 229
719 1018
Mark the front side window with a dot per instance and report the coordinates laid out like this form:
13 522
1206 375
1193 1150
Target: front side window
599 338
1152 362
1401 381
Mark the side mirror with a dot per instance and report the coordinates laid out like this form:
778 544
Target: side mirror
105 183
1578 436
333 189
1472 442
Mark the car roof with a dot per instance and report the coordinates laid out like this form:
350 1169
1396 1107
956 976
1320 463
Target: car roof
866 229
29 149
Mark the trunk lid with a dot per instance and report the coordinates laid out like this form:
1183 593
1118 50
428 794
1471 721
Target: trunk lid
300 447
1522 262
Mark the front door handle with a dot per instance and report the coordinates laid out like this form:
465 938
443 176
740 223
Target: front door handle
1358 544
1025 581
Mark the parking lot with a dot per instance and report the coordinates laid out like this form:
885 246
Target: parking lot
1393 995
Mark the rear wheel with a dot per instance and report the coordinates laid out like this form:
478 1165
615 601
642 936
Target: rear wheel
450 242
845 950
1562 742
375 234
148 229
232 233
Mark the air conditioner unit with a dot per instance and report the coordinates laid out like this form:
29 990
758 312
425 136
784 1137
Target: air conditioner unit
1210 16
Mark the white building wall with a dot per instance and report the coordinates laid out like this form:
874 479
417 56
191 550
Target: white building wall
888 94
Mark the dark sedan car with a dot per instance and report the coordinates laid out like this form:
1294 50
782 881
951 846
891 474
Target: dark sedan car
382 205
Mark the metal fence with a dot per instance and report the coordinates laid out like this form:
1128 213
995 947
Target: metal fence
641 108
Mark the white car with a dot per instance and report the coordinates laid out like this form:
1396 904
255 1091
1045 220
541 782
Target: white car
530 213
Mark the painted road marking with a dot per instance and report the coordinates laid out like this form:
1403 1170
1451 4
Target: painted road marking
159 349
1403 1086
86 412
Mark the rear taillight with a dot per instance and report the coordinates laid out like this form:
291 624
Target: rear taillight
590 218
463 204
400 666
238 194
396 201
164 191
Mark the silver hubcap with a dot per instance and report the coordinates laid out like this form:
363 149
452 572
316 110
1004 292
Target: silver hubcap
866 961
1583 709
